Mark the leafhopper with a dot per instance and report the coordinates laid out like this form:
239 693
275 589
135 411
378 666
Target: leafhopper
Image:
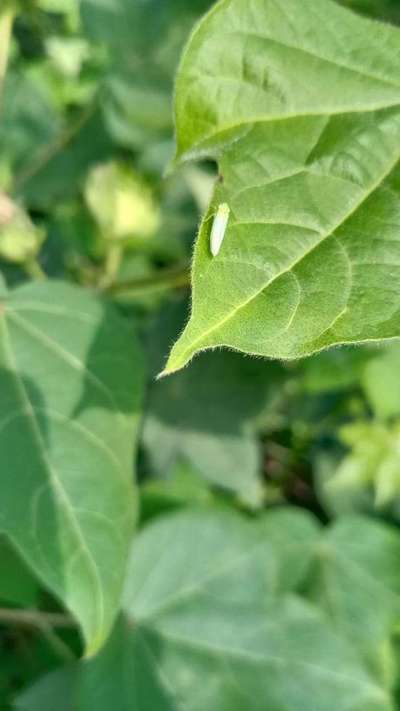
218 228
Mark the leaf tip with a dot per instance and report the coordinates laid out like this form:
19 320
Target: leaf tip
168 370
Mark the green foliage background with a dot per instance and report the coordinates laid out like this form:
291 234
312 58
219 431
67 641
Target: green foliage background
226 537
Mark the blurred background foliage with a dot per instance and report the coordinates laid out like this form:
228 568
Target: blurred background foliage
86 136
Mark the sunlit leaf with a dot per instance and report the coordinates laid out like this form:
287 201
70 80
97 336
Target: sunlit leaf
299 102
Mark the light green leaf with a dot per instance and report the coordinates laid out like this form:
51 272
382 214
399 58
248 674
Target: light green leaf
381 383
183 486
71 382
373 461
204 630
358 582
300 103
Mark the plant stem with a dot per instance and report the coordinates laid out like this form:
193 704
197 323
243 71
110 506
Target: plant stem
44 623
57 644
6 23
35 618
111 266
34 270
172 278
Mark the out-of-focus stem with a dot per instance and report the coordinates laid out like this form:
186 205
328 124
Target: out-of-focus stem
7 14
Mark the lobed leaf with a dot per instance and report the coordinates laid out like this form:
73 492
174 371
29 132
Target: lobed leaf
207 626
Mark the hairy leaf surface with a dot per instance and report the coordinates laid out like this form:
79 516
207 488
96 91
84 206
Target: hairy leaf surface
300 104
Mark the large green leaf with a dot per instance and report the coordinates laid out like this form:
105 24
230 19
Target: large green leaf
203 629
300 103
71 381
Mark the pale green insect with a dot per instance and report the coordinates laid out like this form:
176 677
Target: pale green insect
218 228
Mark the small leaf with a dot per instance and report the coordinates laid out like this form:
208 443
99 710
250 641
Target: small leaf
299 103
381 383
71 382
373 460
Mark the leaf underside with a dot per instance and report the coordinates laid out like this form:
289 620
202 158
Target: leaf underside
300 105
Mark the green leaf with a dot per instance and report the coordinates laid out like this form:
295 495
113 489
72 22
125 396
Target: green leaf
144 41
334 370
373 460
71 382
293 534
183 486
380 9
55 690
207 414
17 584
381 383
203 629
29 120
57 176
299 102
358 582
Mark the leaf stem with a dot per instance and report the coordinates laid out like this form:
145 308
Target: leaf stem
111 265
44 623
35 618
173 278
6 22
34 270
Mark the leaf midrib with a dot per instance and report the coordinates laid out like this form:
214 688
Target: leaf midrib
53 477
265 659
197 149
